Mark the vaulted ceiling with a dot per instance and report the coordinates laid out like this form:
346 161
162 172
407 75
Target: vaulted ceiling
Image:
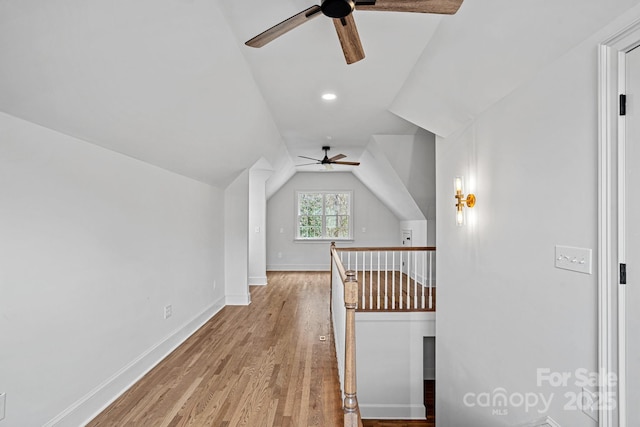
171 82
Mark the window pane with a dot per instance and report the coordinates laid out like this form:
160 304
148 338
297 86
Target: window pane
343 203
309 204
328 210
332 226
310 221
336 204
343 226
310 232
330 204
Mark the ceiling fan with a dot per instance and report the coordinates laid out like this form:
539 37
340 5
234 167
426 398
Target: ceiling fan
341 12
327 162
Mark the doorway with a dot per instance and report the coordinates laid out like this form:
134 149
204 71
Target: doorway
619 230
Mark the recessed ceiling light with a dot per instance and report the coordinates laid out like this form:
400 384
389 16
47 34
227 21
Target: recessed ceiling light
329 96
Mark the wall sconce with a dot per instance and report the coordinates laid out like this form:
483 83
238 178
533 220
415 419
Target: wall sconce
461 200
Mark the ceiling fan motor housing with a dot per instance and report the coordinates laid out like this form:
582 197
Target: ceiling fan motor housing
337 8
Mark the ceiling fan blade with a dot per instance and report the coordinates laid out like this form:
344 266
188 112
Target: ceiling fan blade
284 27
310 158
337 157
445 7
307 164
349 38
347 163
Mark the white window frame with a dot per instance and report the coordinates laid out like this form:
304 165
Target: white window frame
324 237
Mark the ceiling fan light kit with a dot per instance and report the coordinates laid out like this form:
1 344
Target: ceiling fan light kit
341 11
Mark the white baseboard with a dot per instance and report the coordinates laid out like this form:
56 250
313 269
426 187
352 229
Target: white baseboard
298 267
244 299
542 422
90 405
258 281
393 412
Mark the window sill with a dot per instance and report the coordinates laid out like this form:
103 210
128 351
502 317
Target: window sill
322 240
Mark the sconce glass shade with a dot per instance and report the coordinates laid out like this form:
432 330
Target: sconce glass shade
459 217
458 184
461 201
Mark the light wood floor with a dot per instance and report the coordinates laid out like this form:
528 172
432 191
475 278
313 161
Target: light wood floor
260 365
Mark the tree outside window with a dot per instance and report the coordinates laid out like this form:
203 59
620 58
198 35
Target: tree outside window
324 215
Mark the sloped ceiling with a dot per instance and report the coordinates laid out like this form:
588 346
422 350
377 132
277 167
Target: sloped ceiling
162 81
488 50
171 82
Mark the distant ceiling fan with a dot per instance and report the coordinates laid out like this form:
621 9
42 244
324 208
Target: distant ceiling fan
341 12
327 162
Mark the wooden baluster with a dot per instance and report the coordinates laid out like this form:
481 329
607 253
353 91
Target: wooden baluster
351 411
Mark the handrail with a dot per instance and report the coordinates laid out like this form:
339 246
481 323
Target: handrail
385 248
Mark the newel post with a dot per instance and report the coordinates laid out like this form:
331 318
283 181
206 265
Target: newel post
350 398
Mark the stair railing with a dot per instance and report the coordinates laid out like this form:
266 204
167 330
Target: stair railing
393 278
374 279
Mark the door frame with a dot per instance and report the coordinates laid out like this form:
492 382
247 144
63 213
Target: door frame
611 209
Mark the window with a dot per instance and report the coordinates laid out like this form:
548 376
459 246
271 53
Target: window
323 215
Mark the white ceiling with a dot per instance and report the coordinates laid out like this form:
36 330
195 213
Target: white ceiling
171 82
295 69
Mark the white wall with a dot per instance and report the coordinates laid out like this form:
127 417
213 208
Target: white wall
413 157
284 253
504 311
236 240
257 232
379 175
93 245
390 376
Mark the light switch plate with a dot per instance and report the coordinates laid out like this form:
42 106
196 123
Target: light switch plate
574 259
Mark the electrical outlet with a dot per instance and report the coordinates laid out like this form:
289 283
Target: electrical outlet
3 404
214 284
167 311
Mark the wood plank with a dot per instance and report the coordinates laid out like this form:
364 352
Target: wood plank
262 364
